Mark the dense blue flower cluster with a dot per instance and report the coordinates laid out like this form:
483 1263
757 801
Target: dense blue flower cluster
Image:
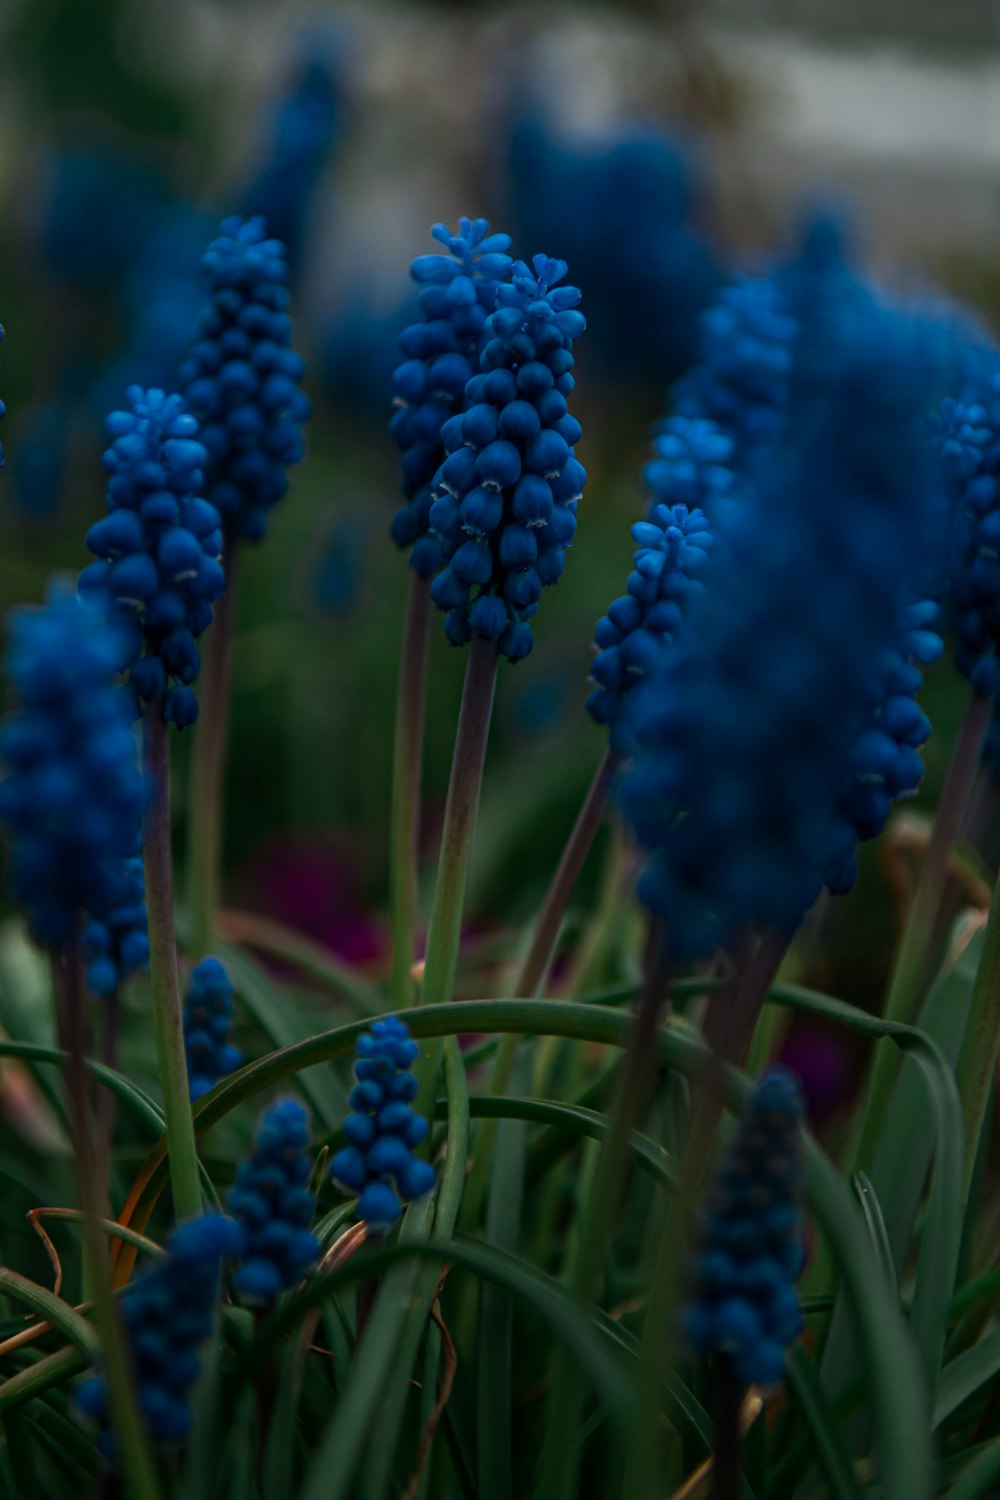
751 732
242 377
624 212
384 1129
966 434
885 765
157 549
272 1201
672 549
458 292
208 1025
73 793
743 376
167 1313
743 1304
114 942
693 464
505 502
298 140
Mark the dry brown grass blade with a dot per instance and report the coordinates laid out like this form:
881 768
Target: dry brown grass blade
34 1217
444 1393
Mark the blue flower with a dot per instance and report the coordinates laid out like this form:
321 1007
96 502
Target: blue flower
114 942
242 377
743 377
158 549
208 1024
885 766
383 1130
743 1303
672 549
965 433
167 1314
749 732
272 1201
73 794
441 354
505 498
300 135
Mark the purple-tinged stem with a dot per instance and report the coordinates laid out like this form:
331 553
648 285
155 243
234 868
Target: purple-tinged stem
207 800
164 979
457 838
407 775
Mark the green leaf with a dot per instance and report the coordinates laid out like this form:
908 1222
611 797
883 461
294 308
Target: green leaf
53 1309
41 1376
981 1479
966 1375
823 1423
872 1210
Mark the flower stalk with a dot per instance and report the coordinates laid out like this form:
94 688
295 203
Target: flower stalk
457 838
164 978
407 770
206 803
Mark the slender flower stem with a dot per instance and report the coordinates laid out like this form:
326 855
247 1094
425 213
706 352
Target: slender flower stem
163 968
916 948
535 964
206 804
734 1012
727 1433
977 1059
407 768
457 838
638 1072
137 1461
110 1023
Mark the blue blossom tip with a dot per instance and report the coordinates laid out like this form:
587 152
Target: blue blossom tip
273 1205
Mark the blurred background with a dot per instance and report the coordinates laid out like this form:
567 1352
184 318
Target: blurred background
658 146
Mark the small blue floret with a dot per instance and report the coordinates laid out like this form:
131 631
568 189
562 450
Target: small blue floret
208 1024
272 1201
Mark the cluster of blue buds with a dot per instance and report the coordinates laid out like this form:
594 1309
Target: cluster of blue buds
672 548
458 292
157 549
758 722
885 765
383 1130
114 942
242 377
167 1313
743 1304
966 433
743 377
72 797
208 1025
693 464
505 501
272 1202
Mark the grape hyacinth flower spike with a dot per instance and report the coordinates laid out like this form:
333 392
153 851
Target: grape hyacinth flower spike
208 1024
242 378
272 1202
383 1129
167 1314
505 502
73 794
441 354
743 1305
115 942
157 549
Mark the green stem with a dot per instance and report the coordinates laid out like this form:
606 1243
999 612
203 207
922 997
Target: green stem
976 1065
559 1462
407 767
136 1460
457 838
915 951
206 804
534 966
163 967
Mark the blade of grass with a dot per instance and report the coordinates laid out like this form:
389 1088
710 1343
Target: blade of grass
966 1375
